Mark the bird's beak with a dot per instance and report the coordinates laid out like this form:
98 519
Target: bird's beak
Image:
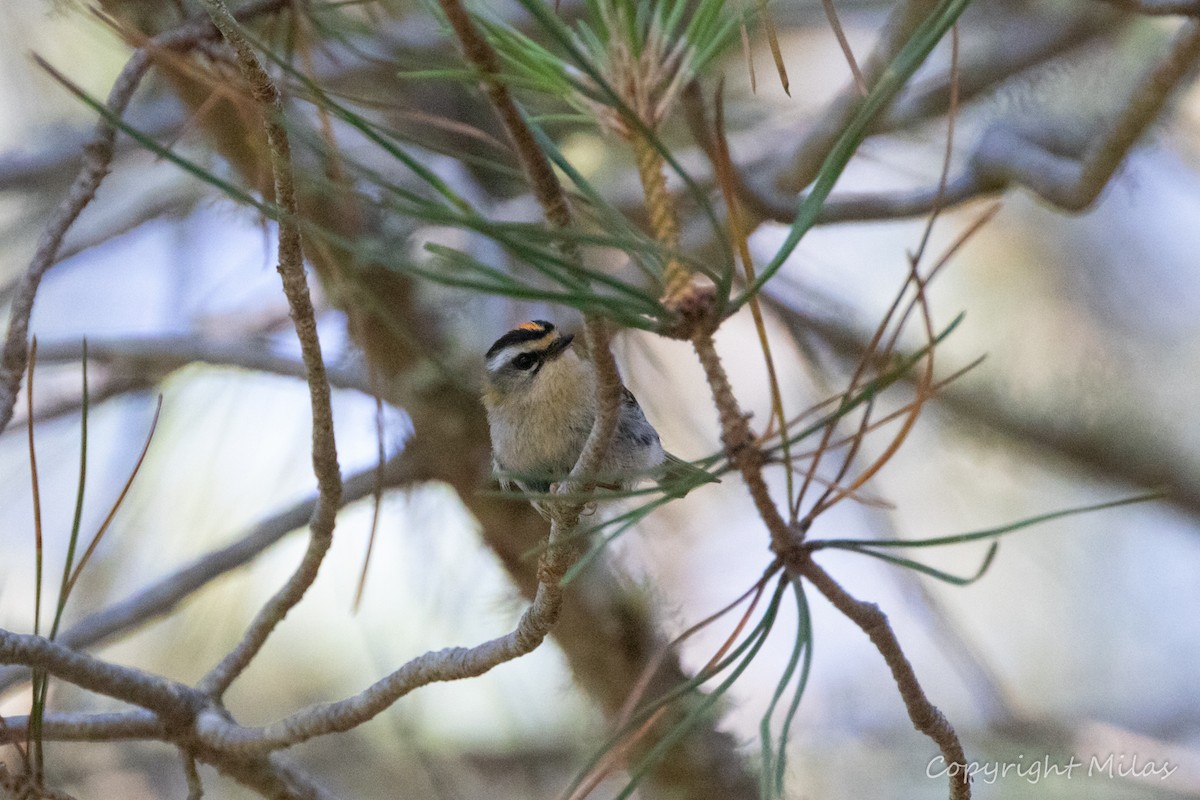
557 347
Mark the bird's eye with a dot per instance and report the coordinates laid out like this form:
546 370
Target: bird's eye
524 361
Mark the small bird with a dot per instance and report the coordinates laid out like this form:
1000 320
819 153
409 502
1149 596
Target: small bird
541 402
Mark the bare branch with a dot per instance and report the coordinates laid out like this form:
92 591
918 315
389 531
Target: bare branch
925 715
787 542
97 156
161 597
151 358
1015 43
1007 156
450 664
172 702
295 287
1166 8
111 727
191 775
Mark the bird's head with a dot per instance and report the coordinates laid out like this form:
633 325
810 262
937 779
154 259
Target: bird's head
526 361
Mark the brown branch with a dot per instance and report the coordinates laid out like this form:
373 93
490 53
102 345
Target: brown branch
483 58
860 83
744 452
925 716
786 541
295 287
194 785
739 443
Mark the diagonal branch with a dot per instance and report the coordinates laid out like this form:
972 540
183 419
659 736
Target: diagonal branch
553 200
451 664
1066 173
1007 156
161 597
925 716
98 155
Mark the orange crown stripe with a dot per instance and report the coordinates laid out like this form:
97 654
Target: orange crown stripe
529 326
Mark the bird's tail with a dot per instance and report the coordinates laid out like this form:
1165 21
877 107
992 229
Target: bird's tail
678 477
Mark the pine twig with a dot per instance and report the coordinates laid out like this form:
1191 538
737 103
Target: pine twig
925 716
787 542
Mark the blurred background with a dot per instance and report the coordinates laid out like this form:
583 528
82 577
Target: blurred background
1080 642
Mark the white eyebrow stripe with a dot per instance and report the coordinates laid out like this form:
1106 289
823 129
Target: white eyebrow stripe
499 360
